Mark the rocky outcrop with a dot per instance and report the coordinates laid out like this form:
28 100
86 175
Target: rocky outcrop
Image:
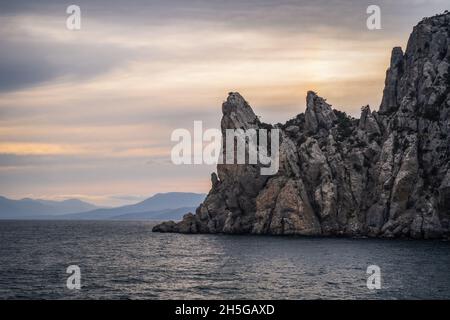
386 174
318 113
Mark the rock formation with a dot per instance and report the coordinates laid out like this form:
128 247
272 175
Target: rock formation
386 174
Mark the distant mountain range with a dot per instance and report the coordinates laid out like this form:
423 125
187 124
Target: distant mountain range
172 205
29 208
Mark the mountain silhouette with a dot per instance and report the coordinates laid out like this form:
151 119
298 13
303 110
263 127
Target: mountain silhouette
35 208
152 208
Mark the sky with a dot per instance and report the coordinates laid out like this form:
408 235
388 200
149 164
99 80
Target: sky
88 113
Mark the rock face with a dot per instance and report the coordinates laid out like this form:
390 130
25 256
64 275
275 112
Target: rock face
384 175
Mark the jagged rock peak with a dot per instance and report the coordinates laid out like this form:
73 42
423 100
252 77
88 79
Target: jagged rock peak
410 75
237 113
396 56
318 113
393 74
367 121
384 175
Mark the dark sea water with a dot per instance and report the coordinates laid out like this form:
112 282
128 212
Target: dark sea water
125 260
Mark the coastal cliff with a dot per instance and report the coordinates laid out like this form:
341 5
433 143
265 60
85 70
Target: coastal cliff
386 174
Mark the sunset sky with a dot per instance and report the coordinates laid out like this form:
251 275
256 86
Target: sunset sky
88 114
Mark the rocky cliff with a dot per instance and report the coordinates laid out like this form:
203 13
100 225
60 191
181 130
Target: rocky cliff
386 174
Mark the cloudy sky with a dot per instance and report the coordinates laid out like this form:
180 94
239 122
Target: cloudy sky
89 113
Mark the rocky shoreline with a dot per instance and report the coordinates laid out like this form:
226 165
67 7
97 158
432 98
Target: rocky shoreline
386 174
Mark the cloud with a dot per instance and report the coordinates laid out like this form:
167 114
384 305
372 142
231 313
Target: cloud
37 50
91 111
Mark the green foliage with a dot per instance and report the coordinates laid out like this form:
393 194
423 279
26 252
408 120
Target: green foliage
361 144
357 167
431 113
447 75
344 122
396 145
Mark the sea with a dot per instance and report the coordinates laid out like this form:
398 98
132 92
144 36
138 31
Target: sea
126 260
